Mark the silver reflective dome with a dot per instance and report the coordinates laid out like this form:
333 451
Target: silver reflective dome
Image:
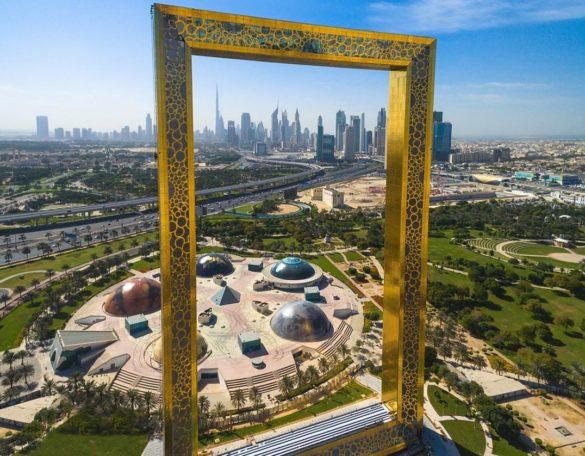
301 321
212 264
292 268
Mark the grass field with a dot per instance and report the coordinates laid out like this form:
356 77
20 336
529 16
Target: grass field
352 255
441 248
330 268
579 250
13 325
57 262
467 435
445 404
337 257
508 314
146 264
352 392
58 443
504 448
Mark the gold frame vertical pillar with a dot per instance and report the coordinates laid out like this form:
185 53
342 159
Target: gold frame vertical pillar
394 234
176 162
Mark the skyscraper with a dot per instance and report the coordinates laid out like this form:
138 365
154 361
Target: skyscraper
441 137
349 143
274 130
363 147
232 137
59 133
42 127
381 121
319 145
284 129
354 121
297 129
245 124
339 129
219 127
260 132
76 133
148 127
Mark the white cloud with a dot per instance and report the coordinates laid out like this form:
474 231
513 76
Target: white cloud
446 16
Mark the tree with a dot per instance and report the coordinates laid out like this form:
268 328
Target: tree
26 251
27 370
21 354
132 396
312 374
219 413
286 385
35 282
323 365
256 399
8 358
238 399
48 387
564 321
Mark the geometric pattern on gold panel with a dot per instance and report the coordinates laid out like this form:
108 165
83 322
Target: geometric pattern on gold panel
217 34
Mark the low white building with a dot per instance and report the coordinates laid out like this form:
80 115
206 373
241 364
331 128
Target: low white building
332 198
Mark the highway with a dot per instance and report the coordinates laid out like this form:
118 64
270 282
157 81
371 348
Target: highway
312 171
124 225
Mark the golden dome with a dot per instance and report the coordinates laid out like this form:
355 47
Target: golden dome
139 295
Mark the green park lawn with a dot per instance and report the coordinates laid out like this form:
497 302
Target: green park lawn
58 261
330 268
337 257
351 392
467 435
286 240
352 255
13 325
504 448
440 248
58 443
146 264
445 404
579 250
508 314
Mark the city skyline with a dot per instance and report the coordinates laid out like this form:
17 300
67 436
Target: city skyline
492 77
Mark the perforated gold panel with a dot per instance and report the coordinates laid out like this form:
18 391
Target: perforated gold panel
180 32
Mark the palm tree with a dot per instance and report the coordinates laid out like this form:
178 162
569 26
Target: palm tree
238 399
27 370
286 385
20 289
11 377
48 386
256 398
312 374
35 283
204 405
323 365
148 400
344 351
21 354
4 299
219 412
8 358
132 396
50 273
26 251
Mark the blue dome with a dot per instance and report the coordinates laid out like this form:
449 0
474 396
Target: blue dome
212 264
292 268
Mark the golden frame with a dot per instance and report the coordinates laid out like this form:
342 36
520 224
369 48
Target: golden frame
180 33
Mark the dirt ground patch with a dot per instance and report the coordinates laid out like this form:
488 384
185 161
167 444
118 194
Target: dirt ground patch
567 257
550 418
284 209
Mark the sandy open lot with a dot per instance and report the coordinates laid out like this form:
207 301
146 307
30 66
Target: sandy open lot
549 416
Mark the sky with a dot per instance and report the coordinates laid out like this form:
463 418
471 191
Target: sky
505 68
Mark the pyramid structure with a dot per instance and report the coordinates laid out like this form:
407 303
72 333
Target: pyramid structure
226 295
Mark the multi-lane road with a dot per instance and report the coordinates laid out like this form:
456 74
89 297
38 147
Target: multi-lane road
133 223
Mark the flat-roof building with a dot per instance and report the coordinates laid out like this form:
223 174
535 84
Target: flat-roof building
70 348
249 341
